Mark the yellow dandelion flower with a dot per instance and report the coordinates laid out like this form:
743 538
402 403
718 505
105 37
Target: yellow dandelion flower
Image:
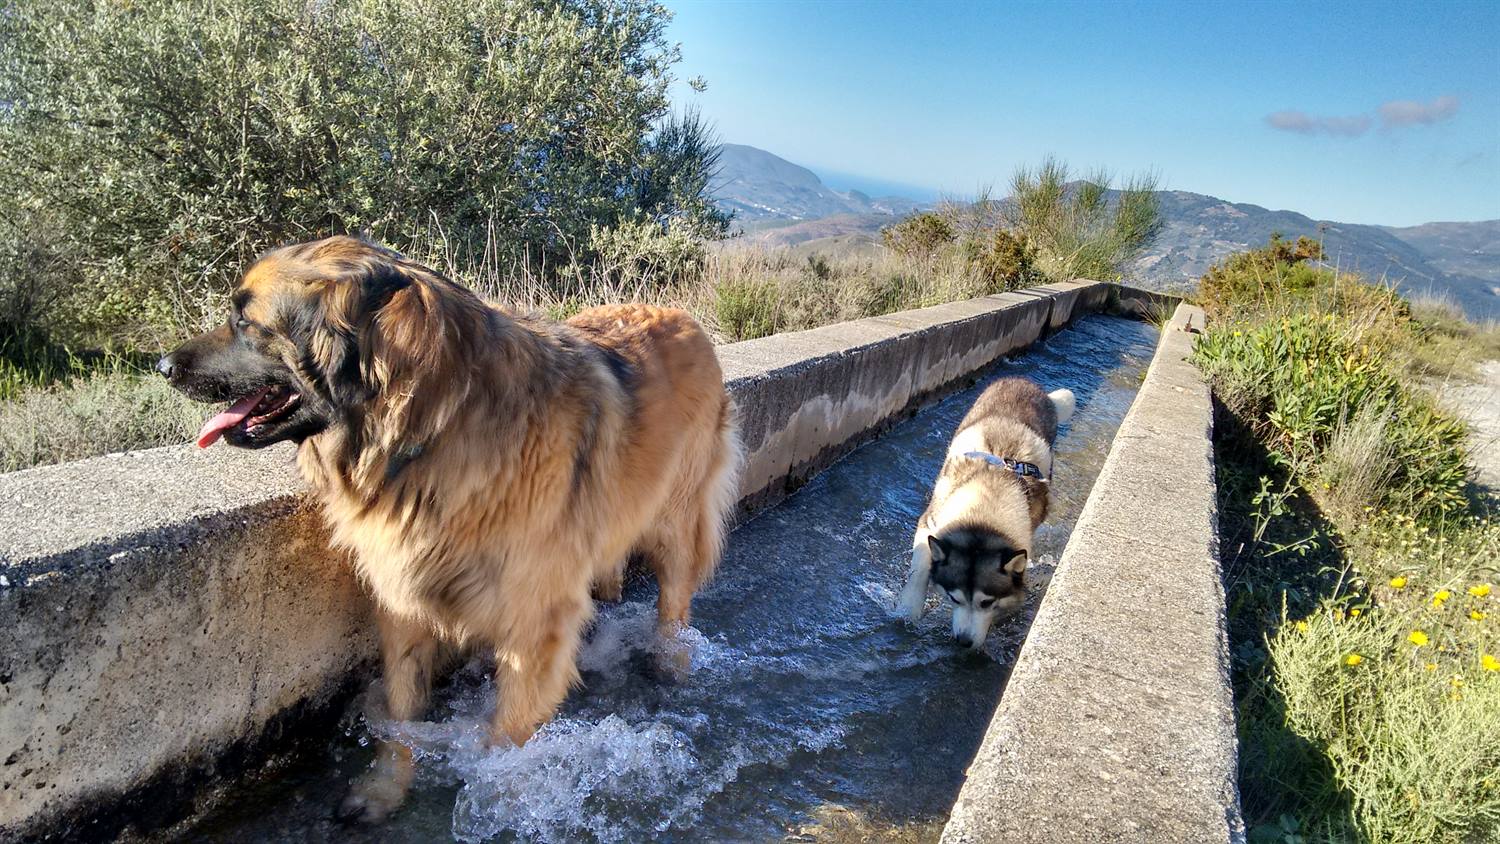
1489 662
1476 615
1417 638
1480 591
1398 582
1441 596
1353 659
1431 666
1354 613
1456 680
1301 627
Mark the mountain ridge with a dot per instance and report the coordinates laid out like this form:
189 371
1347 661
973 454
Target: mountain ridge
778 203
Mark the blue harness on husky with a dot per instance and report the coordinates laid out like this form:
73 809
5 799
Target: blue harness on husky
1020 467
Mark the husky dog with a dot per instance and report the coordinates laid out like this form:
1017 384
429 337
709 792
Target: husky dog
975 538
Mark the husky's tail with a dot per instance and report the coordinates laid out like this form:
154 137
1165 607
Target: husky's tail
1065 402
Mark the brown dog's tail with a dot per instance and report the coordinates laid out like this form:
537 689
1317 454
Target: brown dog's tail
721 490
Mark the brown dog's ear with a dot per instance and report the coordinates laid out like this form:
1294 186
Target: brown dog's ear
333 331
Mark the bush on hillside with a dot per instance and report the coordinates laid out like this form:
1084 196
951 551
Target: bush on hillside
1005 261
150 150
919 236
1302 381
1082 229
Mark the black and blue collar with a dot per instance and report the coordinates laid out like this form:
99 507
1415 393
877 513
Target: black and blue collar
1020 467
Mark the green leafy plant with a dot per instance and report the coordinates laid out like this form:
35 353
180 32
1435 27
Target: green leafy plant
153 149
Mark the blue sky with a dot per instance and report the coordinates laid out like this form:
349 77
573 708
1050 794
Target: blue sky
1358 112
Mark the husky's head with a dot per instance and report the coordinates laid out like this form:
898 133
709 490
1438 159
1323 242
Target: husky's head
983 573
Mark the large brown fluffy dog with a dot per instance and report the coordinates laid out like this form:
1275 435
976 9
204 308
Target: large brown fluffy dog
486 469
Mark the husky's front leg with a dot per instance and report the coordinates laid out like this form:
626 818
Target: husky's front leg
914 596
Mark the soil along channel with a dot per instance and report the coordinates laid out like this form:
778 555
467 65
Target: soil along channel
810 707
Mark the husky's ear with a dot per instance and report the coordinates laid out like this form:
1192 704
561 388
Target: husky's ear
938 549
1016 566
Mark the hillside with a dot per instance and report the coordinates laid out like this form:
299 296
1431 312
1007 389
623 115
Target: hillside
1199 230
759 186
778 203
1471 249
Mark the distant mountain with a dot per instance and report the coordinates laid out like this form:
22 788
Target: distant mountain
1470 249
760 187
781 204
1198 230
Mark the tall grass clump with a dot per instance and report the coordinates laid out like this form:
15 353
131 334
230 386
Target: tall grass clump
1082 228
1360 563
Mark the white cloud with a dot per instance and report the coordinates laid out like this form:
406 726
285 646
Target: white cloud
1411 112
1303 123
1395 114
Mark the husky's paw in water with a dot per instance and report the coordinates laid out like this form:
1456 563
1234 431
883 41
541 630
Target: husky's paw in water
975 538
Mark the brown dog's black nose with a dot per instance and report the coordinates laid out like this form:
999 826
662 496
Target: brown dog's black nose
167 366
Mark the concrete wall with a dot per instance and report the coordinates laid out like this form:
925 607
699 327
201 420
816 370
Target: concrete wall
170 609
1117 723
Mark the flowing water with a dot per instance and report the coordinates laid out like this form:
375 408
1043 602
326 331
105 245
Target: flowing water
811 712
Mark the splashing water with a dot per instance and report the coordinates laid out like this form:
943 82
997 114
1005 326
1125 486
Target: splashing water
805 691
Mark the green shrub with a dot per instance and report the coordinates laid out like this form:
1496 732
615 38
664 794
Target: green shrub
1005 261
1401 722
1282 278
886 292
1298 380
919 236
160 146
747 310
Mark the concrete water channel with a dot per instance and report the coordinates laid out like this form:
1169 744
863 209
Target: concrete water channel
811 712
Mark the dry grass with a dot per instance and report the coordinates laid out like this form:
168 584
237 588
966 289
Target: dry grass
1449 344
103 412
737 293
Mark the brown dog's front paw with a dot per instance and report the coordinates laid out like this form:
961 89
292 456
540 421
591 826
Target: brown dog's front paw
372 798
610 590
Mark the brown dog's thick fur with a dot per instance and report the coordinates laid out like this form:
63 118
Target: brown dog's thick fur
497 468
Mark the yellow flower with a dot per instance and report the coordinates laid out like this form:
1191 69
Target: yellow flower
1354 613
1489 662
1398 582
1431 666
1480 591
1353 659
1456 680
1476 615
1417 638
1301 627
1441 596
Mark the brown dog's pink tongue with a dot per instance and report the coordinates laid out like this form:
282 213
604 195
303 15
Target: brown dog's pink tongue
215 427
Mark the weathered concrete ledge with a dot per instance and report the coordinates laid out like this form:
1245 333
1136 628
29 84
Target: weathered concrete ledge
164 608
1117 723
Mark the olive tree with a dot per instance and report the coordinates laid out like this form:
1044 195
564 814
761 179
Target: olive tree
154 147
